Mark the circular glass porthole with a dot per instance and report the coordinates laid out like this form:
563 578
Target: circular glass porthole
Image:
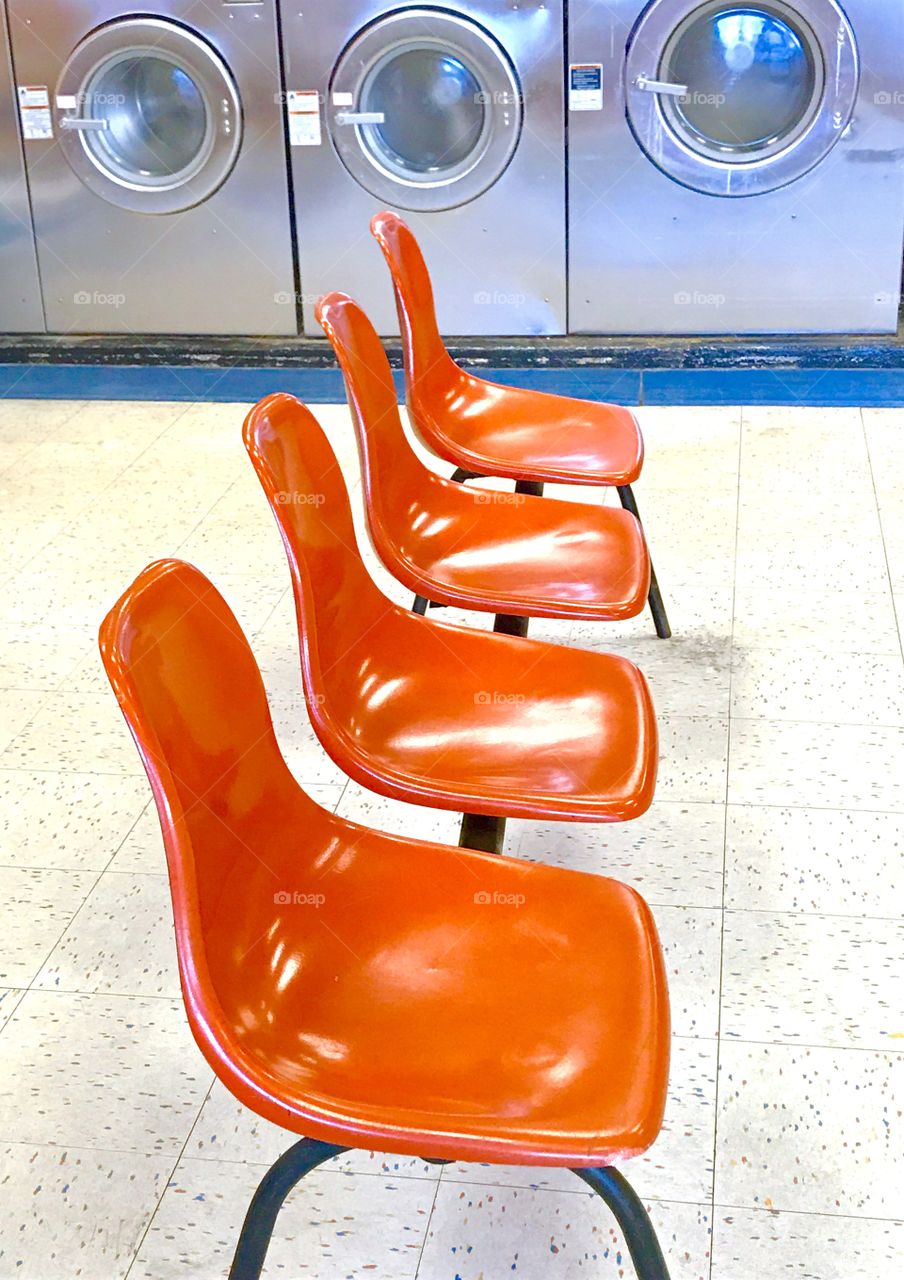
158 128
739 99
425 109
434 111
148 116
755 79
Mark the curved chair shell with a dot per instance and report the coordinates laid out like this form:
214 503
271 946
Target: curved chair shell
432 713
364 989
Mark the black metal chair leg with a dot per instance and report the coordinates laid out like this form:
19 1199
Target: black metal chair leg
534 488
420 605
657 607
479 831
263 1211
459 475
632 1217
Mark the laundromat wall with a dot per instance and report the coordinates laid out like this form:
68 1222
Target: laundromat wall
680 167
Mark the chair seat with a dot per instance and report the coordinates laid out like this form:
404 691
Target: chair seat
525 435
443 1003
517 554
454 718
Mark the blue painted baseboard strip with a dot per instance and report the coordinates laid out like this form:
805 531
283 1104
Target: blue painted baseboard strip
867 387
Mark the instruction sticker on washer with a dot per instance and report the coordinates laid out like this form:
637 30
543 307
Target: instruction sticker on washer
585 86
34 112
303 106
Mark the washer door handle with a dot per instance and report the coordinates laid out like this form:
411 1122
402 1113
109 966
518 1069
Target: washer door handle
660 86
84 124
361 117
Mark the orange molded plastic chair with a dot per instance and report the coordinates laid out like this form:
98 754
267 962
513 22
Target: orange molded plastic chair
367 990
486 429
432 713
511 554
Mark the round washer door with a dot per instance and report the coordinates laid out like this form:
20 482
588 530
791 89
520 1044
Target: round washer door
425 109
740 99
149 116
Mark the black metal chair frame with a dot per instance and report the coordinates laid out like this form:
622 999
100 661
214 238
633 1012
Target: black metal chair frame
300 1159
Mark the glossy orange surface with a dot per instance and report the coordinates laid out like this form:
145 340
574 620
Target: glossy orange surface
430 712
365 989
488 428
501 552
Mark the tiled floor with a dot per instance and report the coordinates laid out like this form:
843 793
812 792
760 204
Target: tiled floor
772 859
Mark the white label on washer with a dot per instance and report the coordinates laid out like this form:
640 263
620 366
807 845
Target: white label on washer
34 112
585 86
343 99
303 106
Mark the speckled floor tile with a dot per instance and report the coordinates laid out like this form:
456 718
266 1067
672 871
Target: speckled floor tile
676 439
41 657
698 610
67 821
477 1232
121 941
810 1130
691 939
37 907
828 980
227 1130
693 755
9 998
833 765
78 732
32 421
816 860
51 1223
332 1224
672 854
775 684
111 1072
398 818
753 1244
688 675
299 744
17 706
679 1165
816 621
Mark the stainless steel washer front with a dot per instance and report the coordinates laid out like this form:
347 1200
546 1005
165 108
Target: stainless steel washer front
151 117
157 165
436 110
454 117
20 292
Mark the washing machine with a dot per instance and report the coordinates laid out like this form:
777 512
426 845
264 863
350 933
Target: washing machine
452 116
155 151
20 294
736 168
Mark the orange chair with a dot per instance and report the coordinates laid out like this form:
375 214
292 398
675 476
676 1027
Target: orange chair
486 429
371 991
437 714
505 553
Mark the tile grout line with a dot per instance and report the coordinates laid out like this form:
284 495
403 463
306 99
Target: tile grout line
731 655
894 603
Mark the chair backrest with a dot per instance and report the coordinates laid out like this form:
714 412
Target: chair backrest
336 599
192 694
427 362
397 485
